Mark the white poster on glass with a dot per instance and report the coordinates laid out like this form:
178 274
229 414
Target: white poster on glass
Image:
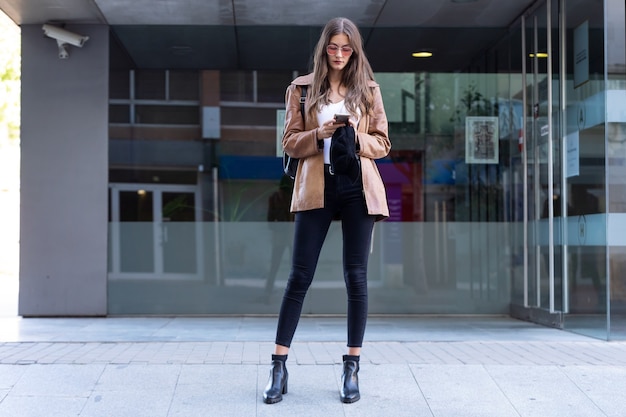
581 54
481 140
573 154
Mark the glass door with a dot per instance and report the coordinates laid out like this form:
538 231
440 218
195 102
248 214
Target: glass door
155 232
543 269
590 105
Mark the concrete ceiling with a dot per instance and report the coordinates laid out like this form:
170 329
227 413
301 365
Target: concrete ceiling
280 34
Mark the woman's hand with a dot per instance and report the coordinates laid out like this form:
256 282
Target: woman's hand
327 129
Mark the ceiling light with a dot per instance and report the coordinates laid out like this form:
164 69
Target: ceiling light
539 55
422 54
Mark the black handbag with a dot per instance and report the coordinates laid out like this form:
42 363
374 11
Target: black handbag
343 153
290 164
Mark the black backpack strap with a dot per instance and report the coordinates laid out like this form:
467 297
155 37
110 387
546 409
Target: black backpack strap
290 165
302 99
320 142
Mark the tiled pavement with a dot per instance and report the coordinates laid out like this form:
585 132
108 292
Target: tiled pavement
421 366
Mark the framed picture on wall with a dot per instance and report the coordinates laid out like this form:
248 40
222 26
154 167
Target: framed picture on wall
481 140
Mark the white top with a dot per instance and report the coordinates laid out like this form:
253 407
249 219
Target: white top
324 115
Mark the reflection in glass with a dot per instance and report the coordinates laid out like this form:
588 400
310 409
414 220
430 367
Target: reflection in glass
178 233
137 234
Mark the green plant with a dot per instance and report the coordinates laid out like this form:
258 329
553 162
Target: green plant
473 103
238 198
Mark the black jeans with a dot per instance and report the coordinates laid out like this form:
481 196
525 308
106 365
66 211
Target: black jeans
346 200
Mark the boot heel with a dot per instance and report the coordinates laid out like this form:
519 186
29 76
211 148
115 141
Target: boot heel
285 387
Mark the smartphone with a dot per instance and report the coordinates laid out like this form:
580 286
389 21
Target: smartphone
342 118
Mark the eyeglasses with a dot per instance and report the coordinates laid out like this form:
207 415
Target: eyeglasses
333 49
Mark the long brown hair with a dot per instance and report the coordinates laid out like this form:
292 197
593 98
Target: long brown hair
355 75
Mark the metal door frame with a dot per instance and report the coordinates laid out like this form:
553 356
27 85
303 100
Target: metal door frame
532 309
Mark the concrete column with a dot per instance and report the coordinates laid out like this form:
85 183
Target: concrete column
64 175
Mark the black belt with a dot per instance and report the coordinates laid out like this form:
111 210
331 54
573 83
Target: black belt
328 170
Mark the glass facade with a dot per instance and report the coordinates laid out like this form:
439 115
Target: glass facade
503 176
202 204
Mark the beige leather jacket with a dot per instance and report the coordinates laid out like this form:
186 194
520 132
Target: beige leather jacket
299 141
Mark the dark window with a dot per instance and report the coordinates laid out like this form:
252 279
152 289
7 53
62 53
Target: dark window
272 86
184 85
149 85
236 86
167 115
119 113
119 84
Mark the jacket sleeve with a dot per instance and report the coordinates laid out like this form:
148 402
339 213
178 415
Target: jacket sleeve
299 140
375 143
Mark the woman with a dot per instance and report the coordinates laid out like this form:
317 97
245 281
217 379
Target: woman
342 82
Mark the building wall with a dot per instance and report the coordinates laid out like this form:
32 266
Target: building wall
64 137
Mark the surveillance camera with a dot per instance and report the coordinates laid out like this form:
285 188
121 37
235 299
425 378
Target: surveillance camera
64 36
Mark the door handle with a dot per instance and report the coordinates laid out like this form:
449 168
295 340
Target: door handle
164 233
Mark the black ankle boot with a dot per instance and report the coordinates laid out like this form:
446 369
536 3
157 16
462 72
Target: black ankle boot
350 379
277 384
